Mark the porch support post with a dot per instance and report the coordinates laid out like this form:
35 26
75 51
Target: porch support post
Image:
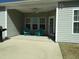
6 21
56 35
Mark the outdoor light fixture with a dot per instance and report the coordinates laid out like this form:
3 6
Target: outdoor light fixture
35 10
61 4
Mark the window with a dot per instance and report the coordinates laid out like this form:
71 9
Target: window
42 20
42 26
28 26
42 23
27 20
27 23
76 21
34 20
35 27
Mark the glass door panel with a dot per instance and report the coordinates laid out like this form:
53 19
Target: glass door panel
28 26
34 26
51 25
42 26
27 20
42 20
27 23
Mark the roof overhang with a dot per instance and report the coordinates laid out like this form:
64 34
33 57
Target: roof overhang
30 1
28 5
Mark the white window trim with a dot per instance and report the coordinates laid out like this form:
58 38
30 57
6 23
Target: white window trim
74 21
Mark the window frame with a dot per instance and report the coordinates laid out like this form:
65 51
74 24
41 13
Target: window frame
43 23
73 21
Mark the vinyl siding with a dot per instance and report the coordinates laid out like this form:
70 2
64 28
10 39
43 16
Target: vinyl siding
2 20
69 4
64 26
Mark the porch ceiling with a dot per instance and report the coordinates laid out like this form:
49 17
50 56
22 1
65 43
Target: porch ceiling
29 5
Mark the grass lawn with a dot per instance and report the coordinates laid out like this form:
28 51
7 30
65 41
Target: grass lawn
69 50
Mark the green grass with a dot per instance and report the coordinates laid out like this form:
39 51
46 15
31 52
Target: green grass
69 50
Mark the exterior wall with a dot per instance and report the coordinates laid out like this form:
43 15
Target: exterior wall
68 4
15 22
64 25
3 20
44 14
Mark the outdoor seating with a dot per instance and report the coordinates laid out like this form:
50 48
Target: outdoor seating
27 31
40 32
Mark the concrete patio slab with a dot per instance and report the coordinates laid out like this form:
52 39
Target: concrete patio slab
29 48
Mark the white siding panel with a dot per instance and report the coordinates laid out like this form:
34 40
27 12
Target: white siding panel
2 21
64 33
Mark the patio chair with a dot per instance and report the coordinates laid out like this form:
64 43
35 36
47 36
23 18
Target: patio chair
40 32
27 31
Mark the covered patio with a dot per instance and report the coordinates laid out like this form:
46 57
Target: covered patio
37 19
